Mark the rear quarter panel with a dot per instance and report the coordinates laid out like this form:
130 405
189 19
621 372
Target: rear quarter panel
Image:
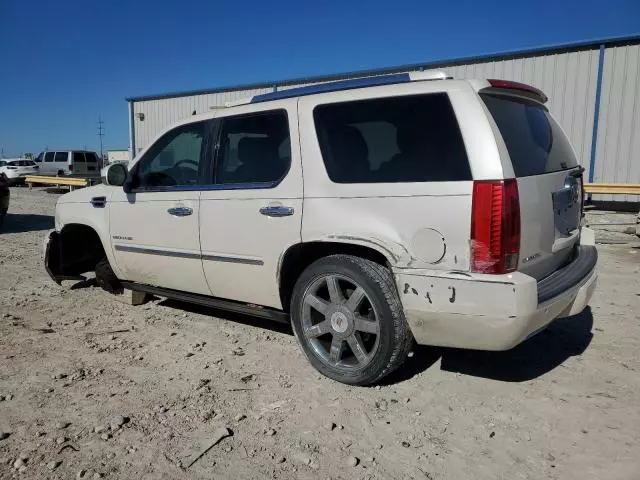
415 225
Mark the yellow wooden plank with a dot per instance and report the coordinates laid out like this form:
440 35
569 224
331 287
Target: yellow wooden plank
74 182
613 188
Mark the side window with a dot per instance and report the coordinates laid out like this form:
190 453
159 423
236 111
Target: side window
175 159
61 157
253 148
399 139
91 157
78 157
39 158
48 157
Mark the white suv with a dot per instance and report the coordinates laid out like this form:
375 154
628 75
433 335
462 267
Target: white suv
366 212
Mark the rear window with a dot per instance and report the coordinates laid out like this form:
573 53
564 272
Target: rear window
399 139
22 163
535 142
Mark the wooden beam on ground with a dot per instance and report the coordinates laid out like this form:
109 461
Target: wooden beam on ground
71 182
613 188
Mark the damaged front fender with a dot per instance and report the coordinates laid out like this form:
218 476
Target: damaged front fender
52 251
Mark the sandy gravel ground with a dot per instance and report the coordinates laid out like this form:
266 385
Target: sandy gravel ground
93 388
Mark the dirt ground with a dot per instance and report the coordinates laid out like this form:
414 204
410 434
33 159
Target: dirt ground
93 388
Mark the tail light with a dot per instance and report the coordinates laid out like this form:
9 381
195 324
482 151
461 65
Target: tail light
495 226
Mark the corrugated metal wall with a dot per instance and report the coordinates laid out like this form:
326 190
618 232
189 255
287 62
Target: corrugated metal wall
569 79
618 144
160 114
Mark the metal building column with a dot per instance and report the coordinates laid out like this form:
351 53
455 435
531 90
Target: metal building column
596 116
132 131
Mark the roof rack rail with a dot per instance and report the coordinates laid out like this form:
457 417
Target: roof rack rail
344 85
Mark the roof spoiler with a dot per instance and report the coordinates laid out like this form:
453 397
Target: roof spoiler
523 88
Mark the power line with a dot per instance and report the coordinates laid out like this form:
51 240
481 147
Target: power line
100 133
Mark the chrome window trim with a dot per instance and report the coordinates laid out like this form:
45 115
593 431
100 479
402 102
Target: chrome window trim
212 187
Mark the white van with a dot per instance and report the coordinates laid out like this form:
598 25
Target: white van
68 162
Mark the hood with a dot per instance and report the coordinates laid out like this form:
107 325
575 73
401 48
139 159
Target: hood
84 195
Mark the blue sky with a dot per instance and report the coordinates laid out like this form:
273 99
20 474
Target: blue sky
63 63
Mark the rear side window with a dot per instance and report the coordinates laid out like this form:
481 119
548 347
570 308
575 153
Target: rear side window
61 156
399 139
254 149
48 157
91 157
78 157
535 142
22 163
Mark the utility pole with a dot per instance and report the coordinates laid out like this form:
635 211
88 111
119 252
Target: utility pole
100 134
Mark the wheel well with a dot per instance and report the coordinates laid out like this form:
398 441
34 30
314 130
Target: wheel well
80 249
298 257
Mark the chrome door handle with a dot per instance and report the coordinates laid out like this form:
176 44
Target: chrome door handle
180 211
276 211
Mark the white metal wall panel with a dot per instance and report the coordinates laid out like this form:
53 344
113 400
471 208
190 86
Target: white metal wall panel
161 113
568 79
618 145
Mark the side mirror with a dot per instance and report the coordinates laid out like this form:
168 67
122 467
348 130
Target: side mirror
114 175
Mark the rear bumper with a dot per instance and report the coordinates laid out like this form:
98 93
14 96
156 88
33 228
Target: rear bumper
489 312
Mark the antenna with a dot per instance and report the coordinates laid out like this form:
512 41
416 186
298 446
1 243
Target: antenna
100 133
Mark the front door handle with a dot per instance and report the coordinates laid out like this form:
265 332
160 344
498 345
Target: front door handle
180 211
276 211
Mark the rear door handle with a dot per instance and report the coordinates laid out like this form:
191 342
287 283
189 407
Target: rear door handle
180 211
276 211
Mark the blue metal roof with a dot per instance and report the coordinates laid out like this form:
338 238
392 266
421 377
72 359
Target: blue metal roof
546 49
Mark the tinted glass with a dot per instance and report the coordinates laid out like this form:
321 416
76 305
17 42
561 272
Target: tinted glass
399 139
39 158
91 157
254 148
535 142
78 157
2 163
49 156
173 160
22 163
61 156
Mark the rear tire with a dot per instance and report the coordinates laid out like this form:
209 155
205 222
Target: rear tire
349 320
106 278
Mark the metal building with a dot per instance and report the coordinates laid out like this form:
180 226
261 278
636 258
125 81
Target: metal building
593 89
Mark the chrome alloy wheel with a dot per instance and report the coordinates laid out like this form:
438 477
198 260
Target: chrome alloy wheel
340 323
